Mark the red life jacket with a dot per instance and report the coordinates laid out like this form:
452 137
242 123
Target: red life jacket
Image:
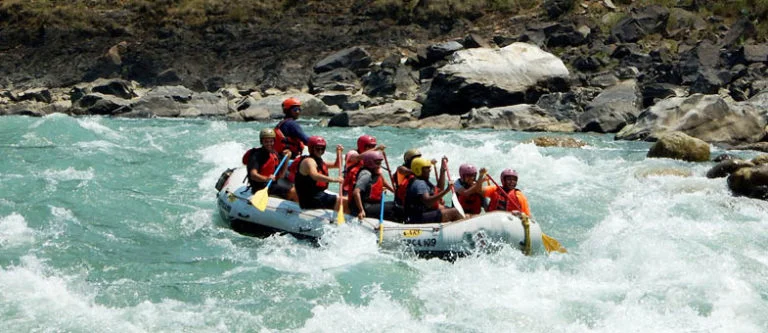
377 189
402 189
282 142
268 167
472 203
350 177
499 201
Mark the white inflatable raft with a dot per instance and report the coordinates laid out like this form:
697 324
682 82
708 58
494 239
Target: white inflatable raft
428 239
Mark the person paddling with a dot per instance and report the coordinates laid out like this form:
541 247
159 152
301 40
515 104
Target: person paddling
290 137
369 188
508 197
312 177
469 188
261 164
422 197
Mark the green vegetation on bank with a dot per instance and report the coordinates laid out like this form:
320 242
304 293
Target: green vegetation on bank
99 16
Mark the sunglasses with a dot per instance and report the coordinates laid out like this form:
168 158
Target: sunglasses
319 147
296 108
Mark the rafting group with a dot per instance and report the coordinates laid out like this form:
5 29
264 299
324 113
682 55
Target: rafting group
305 178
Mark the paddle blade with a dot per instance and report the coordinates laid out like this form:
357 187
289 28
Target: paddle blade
381 233
457 205
340 215
551 244
260 199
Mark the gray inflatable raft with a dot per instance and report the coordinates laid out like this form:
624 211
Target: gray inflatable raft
428 239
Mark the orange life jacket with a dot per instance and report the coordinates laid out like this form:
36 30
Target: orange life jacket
402 189
499 201
377 189
350 177
291 143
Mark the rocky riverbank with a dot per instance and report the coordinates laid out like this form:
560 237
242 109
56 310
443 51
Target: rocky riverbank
640 71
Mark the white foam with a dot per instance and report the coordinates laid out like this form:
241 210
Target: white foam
379 314
223 155
14 231
94 125
54 177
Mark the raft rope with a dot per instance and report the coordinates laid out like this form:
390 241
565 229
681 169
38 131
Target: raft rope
527 227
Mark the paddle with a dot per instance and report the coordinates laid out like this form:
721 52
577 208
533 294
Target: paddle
261 197
381 219
550 244
454 197
386 161
340 215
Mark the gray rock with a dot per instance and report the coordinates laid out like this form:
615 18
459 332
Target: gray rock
344 100
442 122
707 117
115 87
337 79
522 117
612 109
39 94
250 114
440 51
101 104
391 114
490 77
355 59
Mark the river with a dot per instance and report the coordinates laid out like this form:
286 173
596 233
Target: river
109 224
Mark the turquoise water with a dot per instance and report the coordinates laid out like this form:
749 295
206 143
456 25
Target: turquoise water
110 225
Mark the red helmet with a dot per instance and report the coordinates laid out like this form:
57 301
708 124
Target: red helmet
315 141
290 102
467 169
365 140
508 172
370 158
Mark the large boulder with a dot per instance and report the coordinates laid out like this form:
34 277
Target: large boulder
522 117
492 77
679 146
707 117
612 109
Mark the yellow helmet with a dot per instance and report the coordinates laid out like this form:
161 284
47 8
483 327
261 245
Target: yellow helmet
411 153
417 164
267 133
